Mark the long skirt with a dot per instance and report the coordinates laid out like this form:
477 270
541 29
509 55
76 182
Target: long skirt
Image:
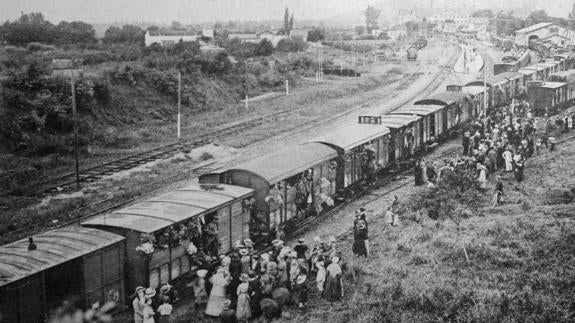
359 248
243 309
215 305
333 288
166 319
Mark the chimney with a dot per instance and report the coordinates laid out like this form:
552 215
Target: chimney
31 244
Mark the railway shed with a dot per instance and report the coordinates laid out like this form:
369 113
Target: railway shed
85 266
362 149
289 185
169 222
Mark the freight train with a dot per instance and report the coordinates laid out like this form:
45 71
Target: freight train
155 241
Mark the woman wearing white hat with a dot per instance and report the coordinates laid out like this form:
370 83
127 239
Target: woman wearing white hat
199 287
148 312
138 303
218 293
243 308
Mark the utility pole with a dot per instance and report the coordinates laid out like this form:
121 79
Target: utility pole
179 102
485 90
75 117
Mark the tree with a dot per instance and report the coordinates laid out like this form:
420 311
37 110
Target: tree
452 199
488 13
264 48
286 22
572 13
537 16
176 25
75 32
315 35
359 30
291 45
127 34
29 28
371 18
291 23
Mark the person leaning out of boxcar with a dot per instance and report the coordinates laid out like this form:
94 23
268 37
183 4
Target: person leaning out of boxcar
138 304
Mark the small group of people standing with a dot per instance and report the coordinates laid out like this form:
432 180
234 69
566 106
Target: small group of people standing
361 246
150 307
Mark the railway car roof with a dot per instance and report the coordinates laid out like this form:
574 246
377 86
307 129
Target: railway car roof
566 73
526 71
420 110
511 75
353 135
536 67
52 248
286 163
552 85
443 98
474 89
395 121
170 208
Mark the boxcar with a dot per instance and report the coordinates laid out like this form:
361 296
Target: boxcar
362 150
566 77
210 216
546 94
290 185
405 136
84 266
431 120
455 102
478 92
515 82
528 75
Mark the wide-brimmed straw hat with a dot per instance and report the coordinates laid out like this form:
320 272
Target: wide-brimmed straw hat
244 277
139 289
150 293
202 273
300 279
243 252
165 288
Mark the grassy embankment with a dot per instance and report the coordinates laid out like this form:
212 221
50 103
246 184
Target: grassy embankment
521 266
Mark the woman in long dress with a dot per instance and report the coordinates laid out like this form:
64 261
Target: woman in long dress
138 303
482 179
508 156
148 312
218 293
243 309
333 286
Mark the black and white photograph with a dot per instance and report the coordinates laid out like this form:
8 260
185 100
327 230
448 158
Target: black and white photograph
258 161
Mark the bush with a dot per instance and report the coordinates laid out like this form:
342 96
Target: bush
36 47
291 45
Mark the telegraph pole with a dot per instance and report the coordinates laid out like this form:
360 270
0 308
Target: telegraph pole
179 102
75 117
484 89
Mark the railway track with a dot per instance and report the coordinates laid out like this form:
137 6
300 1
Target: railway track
134 160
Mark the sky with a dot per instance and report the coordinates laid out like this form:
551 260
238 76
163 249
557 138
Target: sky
196 11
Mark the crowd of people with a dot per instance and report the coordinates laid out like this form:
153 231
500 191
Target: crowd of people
243 286
501 141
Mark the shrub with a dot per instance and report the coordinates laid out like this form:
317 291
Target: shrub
36 47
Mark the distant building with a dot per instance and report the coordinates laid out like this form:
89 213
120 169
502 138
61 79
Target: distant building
169 37
66 67
396 32
549 32
299 33
208 33
245 38
458 19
